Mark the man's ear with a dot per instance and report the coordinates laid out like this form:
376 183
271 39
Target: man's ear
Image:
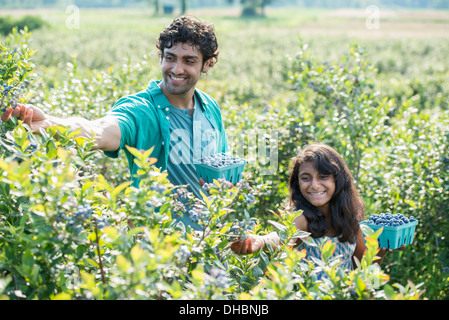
206 65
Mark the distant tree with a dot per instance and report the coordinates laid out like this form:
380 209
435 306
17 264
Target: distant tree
253 7
157 5
183 6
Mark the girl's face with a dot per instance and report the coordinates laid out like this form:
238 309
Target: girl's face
315 187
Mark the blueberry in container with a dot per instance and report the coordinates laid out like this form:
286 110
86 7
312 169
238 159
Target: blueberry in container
219 166
397 229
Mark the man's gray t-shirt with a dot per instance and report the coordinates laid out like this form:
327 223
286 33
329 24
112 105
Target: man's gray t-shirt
191 138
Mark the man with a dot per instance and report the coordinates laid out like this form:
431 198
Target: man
181 122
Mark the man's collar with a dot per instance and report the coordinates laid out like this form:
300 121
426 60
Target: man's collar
157 95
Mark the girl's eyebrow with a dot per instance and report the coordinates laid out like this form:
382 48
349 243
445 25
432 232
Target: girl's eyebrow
304 173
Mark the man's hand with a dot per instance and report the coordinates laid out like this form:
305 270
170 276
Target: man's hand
34 117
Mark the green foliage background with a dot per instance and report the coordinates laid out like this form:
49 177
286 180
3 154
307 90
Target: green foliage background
381 103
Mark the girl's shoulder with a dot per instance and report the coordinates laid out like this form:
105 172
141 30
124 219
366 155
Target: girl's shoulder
301 223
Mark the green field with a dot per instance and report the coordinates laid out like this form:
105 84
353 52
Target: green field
407 46
250 48
294 71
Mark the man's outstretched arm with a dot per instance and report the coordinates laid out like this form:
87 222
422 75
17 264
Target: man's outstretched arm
106 130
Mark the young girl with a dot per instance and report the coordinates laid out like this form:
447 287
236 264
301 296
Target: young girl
321 185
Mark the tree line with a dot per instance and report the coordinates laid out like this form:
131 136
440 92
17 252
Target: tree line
248 6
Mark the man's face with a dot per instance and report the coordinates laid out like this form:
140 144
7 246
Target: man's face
181 65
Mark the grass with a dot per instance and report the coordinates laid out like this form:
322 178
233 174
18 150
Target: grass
131 26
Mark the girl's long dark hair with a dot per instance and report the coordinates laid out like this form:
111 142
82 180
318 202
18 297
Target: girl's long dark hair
346 206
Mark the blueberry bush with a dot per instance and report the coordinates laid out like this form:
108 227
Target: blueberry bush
73 227
30 22
16 68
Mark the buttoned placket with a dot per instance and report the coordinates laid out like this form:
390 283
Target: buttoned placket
164 112
198 151
212 121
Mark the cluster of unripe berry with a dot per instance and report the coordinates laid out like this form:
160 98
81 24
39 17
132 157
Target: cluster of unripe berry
241 228
184 253
243 185
9 96
219 278
225 184
199 213
82 213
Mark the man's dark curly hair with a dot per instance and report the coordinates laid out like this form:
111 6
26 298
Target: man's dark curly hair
186 29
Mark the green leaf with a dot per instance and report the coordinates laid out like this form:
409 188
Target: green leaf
38 209
277 225
257 272
164 208
29 95
300 234
137 254
132 232
119 188
88 280
28 259
360 286
327 249
62 296
309 241
141 156
389 291
264 259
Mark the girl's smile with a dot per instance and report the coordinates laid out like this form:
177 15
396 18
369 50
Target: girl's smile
317 193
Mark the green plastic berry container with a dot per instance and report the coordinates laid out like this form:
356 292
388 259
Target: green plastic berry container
231 172
394 237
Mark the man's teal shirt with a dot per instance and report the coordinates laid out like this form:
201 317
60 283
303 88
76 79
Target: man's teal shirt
144 122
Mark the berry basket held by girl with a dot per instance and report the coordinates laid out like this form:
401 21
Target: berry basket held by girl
322 186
